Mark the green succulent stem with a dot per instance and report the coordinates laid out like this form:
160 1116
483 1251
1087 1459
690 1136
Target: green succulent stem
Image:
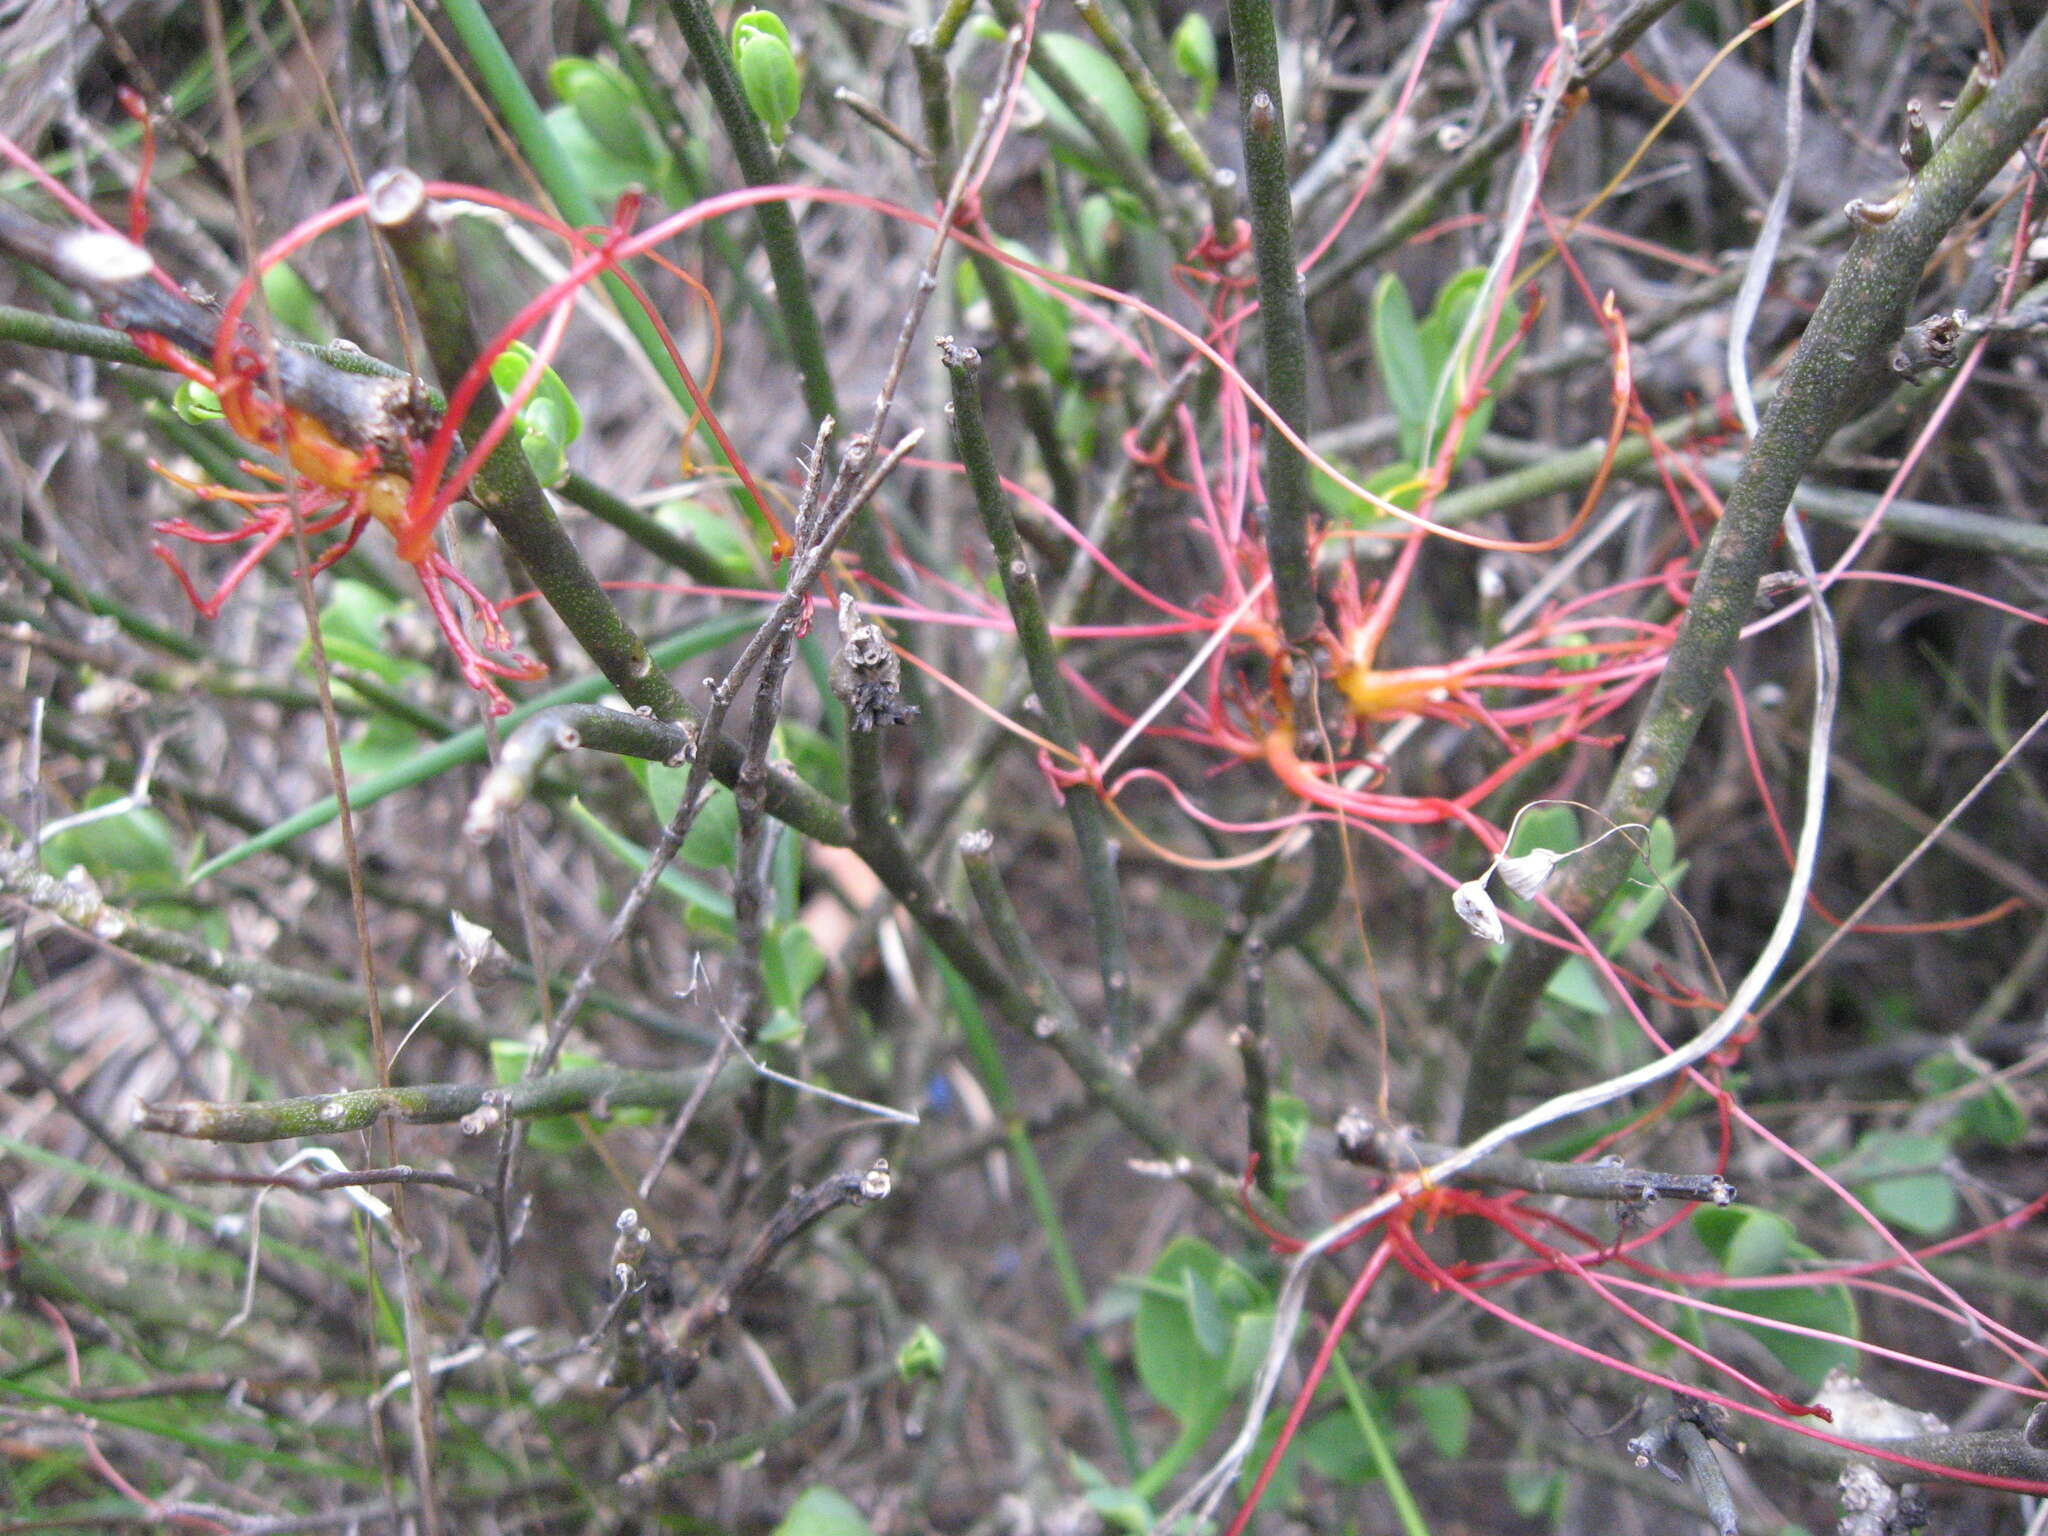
505 487
1844 347
580 1090
1284 326
1041 658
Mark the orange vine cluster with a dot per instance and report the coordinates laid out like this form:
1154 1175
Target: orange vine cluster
356 447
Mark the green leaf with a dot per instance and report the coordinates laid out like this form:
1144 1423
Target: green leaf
602 175
714 533
714 835
1397 349
549 420
791 964
354 629
1438 336
1045 318
1097 230
1186 1327
1828 1308
1287 1128
382 743
751 24
1744 1240
1664 849
1446 1413
1909 1189
1641 897
128 853
820 1511
816 757
1555 827
782 1028
1996 1116
1576 987
1991 1114
1249 1335
1573 639
291 303
1398 483
1180 1376
1534 1491
1098 78
551 404
705 909
1122 1509
1205 1315
1748 1242
1336 1448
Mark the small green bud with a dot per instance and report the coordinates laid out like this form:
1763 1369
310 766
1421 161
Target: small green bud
750 24
550 419
767 69
923 1355
1194 55
606 103
195 403
1287 1124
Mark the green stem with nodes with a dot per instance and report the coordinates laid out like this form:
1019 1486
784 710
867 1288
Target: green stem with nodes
527 748
777 224
580 1090
1320 889
1284 336
23 879
879 840
950 21
1030 382
1250 1039
2021 1453
505 487
1041 658
1845 345
1285 322
1546 472
999 916
34 329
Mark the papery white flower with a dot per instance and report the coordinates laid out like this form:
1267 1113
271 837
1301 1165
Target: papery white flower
1525 873
1476 910
474 943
